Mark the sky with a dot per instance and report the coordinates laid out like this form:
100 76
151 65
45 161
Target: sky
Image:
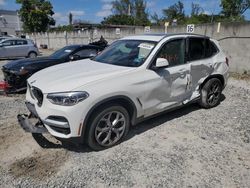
95 10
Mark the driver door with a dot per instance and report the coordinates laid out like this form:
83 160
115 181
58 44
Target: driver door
7 49
168 87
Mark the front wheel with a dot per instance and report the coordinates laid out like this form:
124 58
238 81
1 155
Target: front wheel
108 127
211 93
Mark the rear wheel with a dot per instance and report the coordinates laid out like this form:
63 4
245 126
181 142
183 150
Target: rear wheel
32 55
108 127
211 93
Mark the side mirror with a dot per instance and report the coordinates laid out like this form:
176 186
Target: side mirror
74 57
161 63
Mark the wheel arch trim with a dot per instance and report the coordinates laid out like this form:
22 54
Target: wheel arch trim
106 100
218 76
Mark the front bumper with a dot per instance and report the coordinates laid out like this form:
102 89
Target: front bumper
31 123
28 126
17 83
60 121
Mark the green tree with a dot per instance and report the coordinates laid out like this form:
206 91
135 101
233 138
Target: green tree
234 9
197 15
175 11
196 9
141 14
122 7
156 20
118 20
36 15
133 10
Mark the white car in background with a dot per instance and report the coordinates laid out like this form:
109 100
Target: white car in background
98 99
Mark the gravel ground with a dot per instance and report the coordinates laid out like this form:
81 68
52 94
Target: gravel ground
191 147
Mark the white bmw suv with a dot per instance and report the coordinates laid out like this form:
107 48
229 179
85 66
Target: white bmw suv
98 99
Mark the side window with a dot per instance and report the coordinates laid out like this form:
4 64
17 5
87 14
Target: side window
196 48
9 43
174 52
86 53
21 42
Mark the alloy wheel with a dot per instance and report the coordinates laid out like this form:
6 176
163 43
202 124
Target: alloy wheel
110 128
214 93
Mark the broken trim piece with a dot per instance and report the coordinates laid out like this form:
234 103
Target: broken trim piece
25 123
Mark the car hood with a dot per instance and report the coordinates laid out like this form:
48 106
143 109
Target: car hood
71 76
26 63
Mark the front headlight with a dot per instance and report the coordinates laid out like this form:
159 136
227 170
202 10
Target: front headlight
67 98
23 71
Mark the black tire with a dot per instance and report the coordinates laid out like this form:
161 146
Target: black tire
211 93
32 55
99 129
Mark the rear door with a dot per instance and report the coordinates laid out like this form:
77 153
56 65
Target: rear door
168 87
200 58
21 48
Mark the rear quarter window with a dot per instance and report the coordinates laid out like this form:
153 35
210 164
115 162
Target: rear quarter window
211 49
201 48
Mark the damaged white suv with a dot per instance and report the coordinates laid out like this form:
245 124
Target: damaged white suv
98 99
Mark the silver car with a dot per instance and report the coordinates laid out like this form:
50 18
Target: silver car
15 48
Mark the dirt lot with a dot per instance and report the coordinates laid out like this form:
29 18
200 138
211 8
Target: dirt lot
191 147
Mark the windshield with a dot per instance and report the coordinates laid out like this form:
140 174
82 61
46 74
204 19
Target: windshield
129 53
63 52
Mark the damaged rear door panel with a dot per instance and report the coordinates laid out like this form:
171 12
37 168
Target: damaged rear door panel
204 60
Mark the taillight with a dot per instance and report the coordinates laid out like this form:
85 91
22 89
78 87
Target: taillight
227 61
4 85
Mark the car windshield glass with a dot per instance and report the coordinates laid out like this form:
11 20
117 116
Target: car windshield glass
63 52
129 53
1 39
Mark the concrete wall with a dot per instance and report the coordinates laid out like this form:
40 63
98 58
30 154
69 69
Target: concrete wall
234 39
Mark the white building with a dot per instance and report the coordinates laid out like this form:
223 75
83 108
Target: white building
10 23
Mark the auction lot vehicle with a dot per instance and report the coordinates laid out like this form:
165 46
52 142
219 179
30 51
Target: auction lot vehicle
15 48
135 78
17 72
4 38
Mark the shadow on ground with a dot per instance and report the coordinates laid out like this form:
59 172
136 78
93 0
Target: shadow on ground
135 130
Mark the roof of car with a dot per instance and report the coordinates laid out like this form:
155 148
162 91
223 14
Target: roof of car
12 38
83 45
160 36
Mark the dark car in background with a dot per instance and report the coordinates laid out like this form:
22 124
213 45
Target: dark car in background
17 72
